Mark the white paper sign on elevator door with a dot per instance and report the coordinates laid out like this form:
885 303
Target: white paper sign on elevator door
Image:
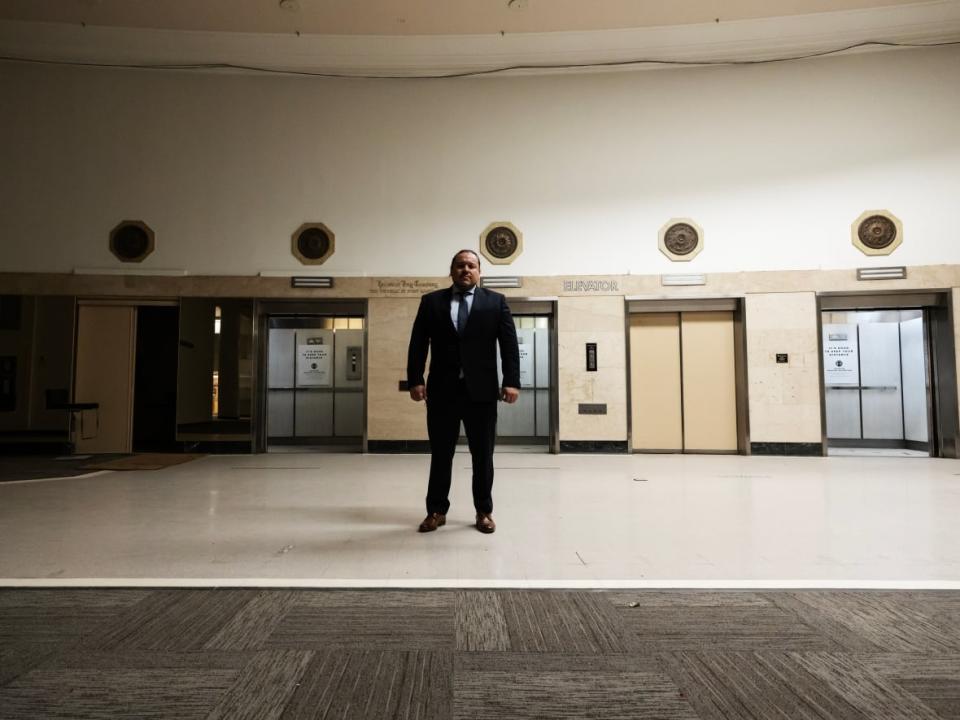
841 364
313 364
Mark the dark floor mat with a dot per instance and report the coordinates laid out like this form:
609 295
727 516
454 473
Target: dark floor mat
36 467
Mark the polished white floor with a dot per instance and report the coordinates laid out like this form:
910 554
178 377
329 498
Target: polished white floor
563 521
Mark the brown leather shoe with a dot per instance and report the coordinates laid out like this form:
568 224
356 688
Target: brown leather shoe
432 522
485 523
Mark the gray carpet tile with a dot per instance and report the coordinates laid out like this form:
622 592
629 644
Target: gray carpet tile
17 659
107 694
147 660
374 684
57 624
842 635
375 598
554 662
90 598
686 598
575 622
398 628
253 624
480 623
184 653
264 686
912 666
568 694
726 628
756 686
941 696
884 621
173 619
865 690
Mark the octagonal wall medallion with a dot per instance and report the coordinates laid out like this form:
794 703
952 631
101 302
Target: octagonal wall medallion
876 232
132 241
681 239
501 242
313 243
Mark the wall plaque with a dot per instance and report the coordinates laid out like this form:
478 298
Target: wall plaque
313 243
132 241
876 232
681 239
501 242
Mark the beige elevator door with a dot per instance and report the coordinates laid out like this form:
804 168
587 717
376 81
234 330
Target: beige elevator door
106 337
709 382
683 382
655 381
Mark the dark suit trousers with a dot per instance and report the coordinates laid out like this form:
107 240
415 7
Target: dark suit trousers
444 413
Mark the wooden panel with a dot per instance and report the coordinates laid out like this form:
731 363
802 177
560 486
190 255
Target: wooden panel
709 382
655 396
105 348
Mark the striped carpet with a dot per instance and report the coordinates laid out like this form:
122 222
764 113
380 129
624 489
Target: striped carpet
285 654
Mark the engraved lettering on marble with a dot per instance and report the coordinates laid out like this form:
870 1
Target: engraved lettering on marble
403 287
591 286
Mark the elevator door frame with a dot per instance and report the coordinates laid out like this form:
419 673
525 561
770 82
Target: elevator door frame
937 305
731 304
263 310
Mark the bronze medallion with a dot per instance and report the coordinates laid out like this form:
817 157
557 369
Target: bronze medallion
681 239
131 243
501 242
313 243
877 232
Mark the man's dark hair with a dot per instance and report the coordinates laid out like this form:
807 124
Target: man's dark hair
460 252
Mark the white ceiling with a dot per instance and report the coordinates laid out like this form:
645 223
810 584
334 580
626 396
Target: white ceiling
417 37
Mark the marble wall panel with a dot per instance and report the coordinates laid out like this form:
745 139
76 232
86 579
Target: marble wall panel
784 398
391 414
600 320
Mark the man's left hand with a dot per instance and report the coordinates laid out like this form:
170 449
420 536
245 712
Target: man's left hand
509 395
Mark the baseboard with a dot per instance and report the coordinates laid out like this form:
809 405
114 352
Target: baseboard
593 446
398 446
787 448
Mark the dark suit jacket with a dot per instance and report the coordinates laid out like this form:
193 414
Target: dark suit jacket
475 351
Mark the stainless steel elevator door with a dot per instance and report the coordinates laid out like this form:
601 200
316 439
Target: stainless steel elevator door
881 400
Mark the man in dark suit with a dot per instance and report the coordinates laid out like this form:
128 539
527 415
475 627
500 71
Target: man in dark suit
461 326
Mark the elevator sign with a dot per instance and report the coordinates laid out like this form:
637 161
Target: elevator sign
526 365
313 364
841 364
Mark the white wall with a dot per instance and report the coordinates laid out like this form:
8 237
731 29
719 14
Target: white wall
773 161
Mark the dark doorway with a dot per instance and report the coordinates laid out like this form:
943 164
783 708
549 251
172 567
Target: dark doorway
155 383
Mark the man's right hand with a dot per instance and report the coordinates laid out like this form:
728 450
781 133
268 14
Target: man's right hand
418 392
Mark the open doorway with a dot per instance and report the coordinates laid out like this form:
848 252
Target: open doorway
876 373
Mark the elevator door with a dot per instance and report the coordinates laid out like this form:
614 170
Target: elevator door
683 382
527 421
315 371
